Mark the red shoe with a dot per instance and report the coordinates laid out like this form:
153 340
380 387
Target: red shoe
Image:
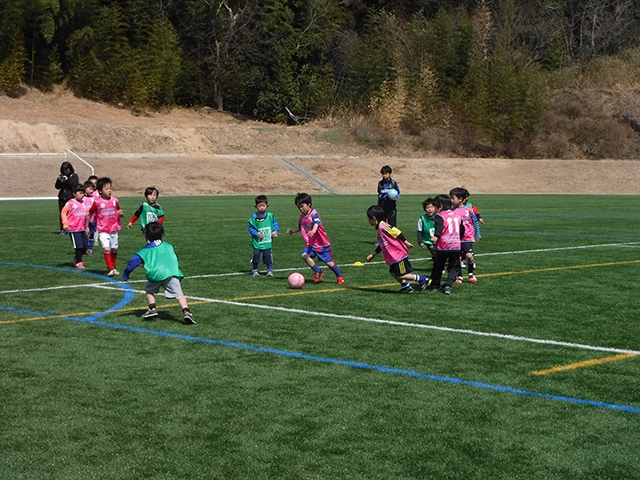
472 278
317 277
340 280
458 281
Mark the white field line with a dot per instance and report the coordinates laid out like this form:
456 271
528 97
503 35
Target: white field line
108 286
407 324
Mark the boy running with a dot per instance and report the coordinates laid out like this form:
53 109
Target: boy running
161 263
316 241
395 248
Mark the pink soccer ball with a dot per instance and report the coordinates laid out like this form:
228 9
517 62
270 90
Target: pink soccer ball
296 280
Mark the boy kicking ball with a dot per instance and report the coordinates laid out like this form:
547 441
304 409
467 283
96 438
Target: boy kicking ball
161 263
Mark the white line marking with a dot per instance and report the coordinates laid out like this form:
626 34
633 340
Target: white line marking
407 324
388 322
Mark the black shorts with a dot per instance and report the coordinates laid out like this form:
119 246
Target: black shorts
466 247
400 268
79 239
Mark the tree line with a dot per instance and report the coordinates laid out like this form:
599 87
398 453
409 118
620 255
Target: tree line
418 62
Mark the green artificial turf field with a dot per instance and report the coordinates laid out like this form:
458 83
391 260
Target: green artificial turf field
533 372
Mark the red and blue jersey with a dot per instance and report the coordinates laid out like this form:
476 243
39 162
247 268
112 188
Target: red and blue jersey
306 224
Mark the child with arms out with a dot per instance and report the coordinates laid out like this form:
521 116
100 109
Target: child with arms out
395 248
74 220
161 263
263 227
149 211
108 214
387 202
316 241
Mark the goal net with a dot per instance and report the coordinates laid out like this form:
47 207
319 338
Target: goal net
33 175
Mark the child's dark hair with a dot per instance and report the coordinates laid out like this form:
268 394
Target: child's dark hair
102 182
92 177
386 169
303 198
459 192
428 201
153 231
376 211
150 190
443 201
79 188
87 184
262 199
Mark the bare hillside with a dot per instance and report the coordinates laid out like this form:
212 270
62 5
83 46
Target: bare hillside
208 152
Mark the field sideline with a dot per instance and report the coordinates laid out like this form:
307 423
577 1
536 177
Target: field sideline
531 372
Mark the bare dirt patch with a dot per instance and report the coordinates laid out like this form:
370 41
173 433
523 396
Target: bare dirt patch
189 152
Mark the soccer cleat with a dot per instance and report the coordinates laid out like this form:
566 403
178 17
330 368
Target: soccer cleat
458 280
423 285
432 286
340 280
446 290
472 278
269 273
111 272
115 272
150 313
188 319
317 277
80 265
406 289
255 273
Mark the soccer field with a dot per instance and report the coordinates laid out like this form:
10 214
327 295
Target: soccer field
533 372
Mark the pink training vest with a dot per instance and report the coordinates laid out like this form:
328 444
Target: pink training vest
392 247
108 219
76 215
450 238
466 218
307 222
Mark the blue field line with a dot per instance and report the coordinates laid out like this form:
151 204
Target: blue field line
364 366
128 292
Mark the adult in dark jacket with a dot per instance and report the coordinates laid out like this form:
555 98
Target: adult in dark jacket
65 183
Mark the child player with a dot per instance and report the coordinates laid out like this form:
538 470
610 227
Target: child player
446 239
395 248
108 214
263 227
388 204
161 263
426 227
89 200
316 241
468 218
74 220
149 211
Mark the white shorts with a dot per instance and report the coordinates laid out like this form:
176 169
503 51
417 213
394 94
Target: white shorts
171 285
109 241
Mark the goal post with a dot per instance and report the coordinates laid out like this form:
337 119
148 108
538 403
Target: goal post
33 175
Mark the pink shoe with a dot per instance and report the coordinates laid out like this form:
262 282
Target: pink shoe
80 265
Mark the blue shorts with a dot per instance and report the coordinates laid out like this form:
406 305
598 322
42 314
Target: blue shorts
322 253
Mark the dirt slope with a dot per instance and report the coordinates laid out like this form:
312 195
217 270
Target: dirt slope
208 152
